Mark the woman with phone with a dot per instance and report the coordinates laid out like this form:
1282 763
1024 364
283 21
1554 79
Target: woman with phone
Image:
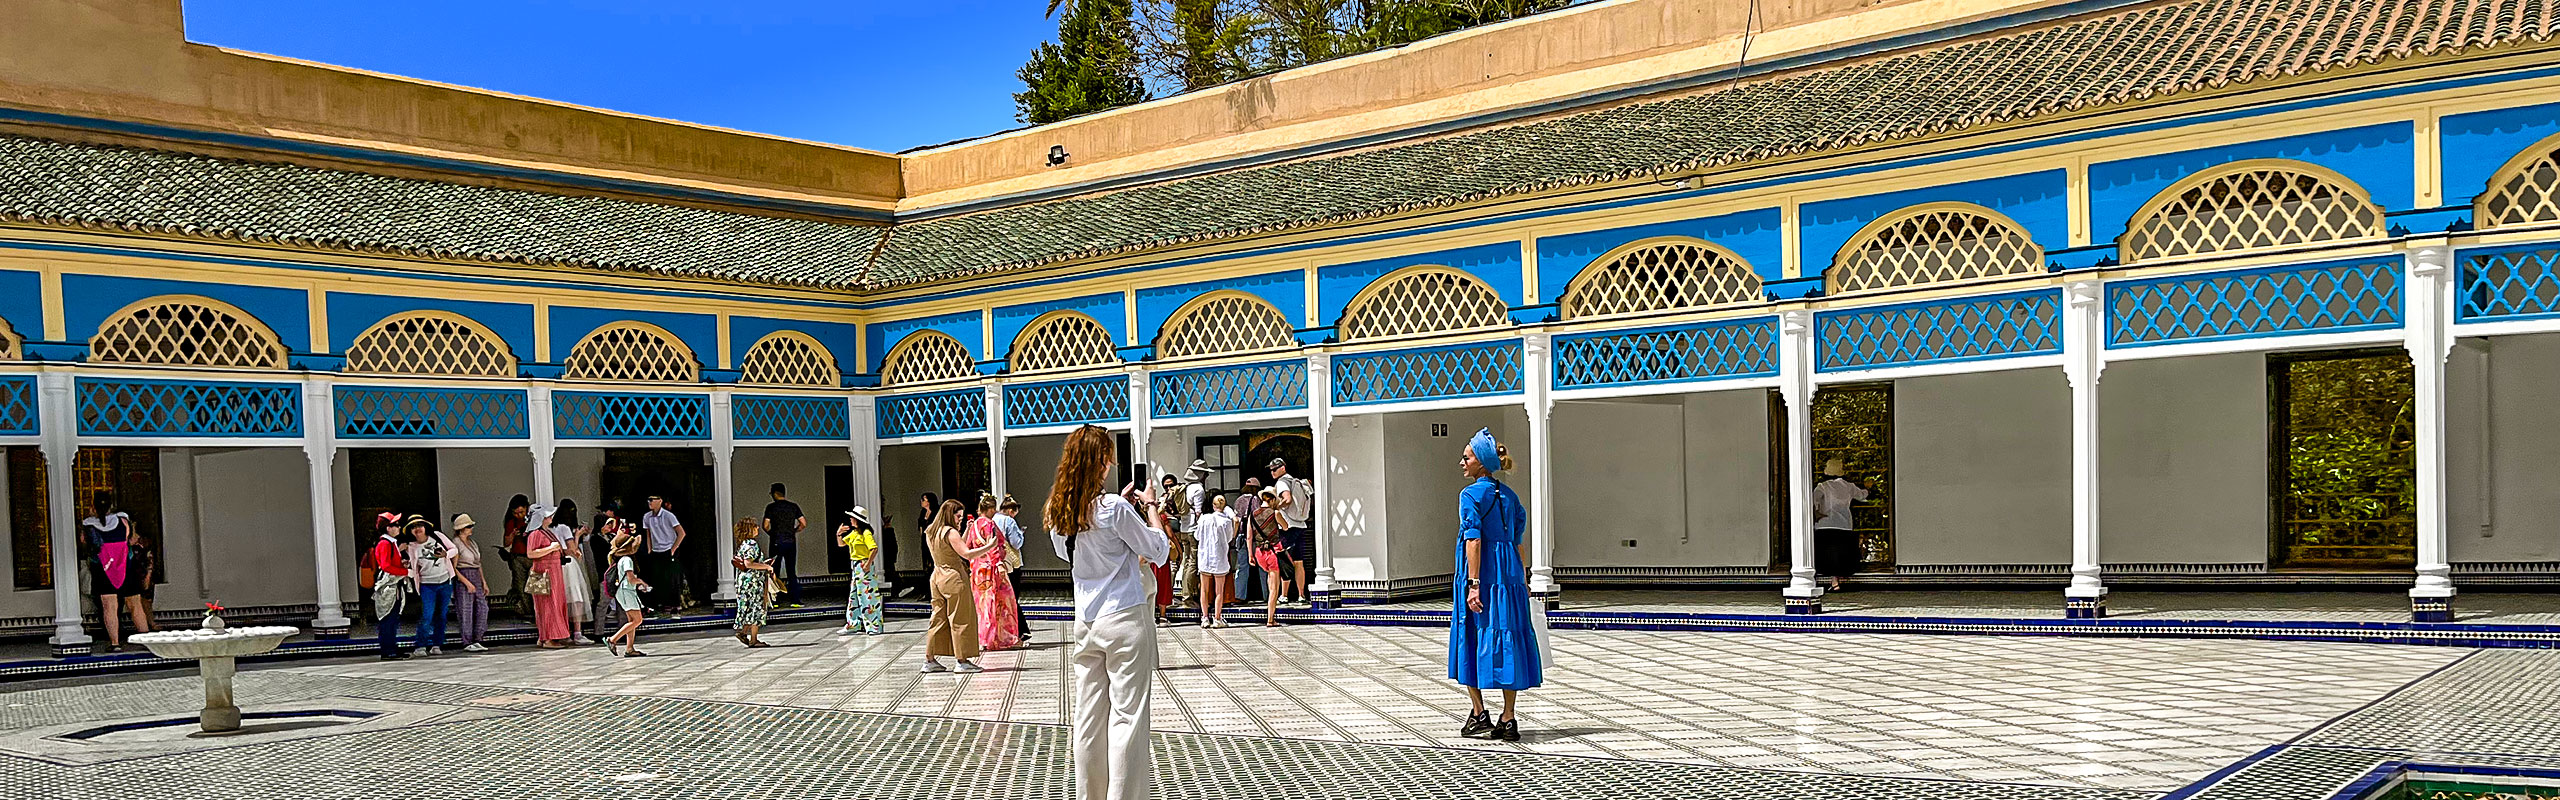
1109 541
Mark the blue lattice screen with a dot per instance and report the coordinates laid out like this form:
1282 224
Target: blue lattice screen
787 417
614 415
2241 304
2510 284
1104 399
1274 386
128 407
1963 329
367 412
1429 373
18 405
954 411
1730 349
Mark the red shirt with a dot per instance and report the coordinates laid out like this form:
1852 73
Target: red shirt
386 558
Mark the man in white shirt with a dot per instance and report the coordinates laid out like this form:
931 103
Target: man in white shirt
658 563
1297 509
1186 571
1837 550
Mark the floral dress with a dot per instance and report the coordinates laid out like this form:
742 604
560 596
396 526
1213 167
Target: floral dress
862 600
994 594
753 603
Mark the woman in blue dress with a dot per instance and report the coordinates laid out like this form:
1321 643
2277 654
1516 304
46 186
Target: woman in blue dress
1492 644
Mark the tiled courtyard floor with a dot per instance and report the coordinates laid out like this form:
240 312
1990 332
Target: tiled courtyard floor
1334 711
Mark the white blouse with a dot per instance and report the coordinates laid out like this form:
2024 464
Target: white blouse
1110 560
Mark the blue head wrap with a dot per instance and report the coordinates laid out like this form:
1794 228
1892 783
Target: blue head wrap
1484 448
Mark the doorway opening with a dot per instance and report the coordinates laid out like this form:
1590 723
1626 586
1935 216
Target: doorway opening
2344 468
1853 423
130 474
681 476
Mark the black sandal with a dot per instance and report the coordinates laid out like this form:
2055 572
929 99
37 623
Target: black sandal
1507 731
632 654
1478 725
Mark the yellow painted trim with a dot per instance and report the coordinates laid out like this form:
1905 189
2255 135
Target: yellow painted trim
318 300
1790 238
720 335
2170 193
1191 308
256 325
862 348
467 323
986 333
542 333
1574 286
1129 316
907 345
1888 221
1315 298
54 310
1360 302
2077 179
2548 147
1529 288
835 374
663 334
2429 159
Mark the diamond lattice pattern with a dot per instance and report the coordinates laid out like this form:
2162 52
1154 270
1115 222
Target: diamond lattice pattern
789 361
1062 402
2221 305
1693 352
1418 374
2530 194
629 353
186 334
926 357
939 412
1227 390
1064 341
1935 246
429 345
2511 284
2012 325
1226 324
1662 276
2265 207
1424 302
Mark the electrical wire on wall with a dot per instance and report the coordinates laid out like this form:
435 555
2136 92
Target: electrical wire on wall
1750 29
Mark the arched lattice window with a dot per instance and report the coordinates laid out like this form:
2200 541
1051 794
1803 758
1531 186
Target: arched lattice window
2251 205
2526 191
1062 340
789 358
926 356
12 346
1933 244
1662 275
1422 300
631 351
186 331
1225 322
430 343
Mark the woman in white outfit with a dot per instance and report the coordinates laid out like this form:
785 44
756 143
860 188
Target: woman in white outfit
1109 543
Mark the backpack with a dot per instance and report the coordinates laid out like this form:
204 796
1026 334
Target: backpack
1178 502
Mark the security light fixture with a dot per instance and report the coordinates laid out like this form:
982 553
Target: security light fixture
1057 154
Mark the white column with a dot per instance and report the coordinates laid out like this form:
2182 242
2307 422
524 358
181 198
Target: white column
1141 419
724 496
2083 360
2430 342
538 414
1795 387
865 458
995 445
59 419
1537 383
320 448
1320 589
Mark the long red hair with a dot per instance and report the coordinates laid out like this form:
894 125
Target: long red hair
1084 473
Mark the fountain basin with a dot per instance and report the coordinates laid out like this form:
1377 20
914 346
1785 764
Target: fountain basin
226 643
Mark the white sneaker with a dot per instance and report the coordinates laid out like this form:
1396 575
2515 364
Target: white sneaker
965 668
1206 622
931 667
474 647
418 652
847 632
435 651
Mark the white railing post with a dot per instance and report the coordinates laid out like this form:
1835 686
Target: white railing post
320 448
995 445
1320 588
863 454
1795 386
2084 359
59 419
724 496
2430 343
1537 398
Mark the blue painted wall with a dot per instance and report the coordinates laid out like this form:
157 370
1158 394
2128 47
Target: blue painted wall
1497 264
1108 308
22 304
1286 291
2475 145
88 299
700 332
2037 201
2379 158
964 326
351 314
840 338
1754 235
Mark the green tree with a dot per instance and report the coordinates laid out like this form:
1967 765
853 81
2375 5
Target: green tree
1093 66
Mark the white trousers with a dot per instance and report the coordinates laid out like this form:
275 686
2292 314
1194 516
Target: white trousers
1114 660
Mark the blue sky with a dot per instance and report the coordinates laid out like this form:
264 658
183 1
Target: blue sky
879 74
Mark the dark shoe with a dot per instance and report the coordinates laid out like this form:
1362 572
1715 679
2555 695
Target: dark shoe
633 654
395 657
1508 731
1478 725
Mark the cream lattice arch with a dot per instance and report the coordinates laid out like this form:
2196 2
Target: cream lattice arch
631 351
2249 205
1426 299
430 343
1225 322
12 346
2525 191
1062 340
1661 275
789 358
1933 243
925 357
187 331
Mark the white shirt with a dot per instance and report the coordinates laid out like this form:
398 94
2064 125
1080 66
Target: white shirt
1195 502
1110 560
432 560
1217 531
1300 507
1831 501
661 525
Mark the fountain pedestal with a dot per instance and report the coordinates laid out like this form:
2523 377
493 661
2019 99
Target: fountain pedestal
216 650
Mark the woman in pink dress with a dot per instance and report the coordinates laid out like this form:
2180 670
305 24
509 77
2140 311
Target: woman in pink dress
997 629
550 609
